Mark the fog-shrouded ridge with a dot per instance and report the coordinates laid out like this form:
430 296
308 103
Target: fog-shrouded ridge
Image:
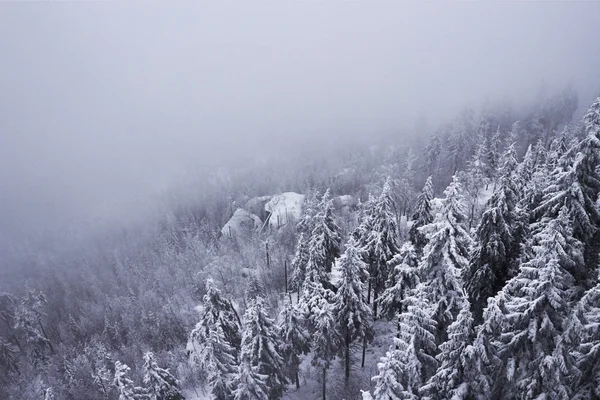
104 104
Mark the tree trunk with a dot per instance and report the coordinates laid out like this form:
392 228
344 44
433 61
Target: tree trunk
369 291
347 371
362 363
324 383
297 381
375 296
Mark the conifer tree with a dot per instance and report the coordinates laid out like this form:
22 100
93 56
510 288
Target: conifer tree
249 384
325 239
159 382
535 312
577 187
125 387
416 342
217 359
262 345
299 264
452 358
497 241
387 386
325 343
402 281
295 340
383 242
353 314
585 321
422 216
445 259
217 310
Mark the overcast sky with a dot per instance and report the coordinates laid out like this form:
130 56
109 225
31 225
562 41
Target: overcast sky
102 101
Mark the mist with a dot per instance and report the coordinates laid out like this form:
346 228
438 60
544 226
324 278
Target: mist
103 105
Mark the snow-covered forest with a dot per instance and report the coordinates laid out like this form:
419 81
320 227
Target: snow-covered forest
463 269
289 200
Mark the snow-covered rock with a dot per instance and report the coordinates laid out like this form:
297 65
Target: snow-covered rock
242 222
256 205
284 207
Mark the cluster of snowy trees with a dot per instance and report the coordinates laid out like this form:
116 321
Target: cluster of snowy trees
508 311
488 276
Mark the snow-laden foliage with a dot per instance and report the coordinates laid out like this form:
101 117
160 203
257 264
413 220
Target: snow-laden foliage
299 263
497 241
353 314
453 361
248 383
325 241
261 344
422 216
159 382
444 260
585 320
295 339
402 280
217 358
387 386
124 385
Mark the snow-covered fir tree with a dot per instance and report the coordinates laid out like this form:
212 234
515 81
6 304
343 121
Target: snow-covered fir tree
261 343
325 241
452 359
415 344
577 188
218 359
422 216
387 386
402 280
124 385
217 310
299 263
382 243
295 339
325 343
353 314
248 383
159 382
585 319
497 241
535 315
444 260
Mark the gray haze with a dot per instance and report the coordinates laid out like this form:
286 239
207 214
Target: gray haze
102 103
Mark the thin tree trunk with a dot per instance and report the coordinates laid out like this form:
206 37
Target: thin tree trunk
297 380
369 291
347 371
364 351
471 217
324 383
375 296
285 272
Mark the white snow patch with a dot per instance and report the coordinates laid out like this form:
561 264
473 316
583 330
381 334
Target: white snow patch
284 207
242 221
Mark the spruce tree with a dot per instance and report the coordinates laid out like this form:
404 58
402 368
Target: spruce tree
497 241
422 216
445 259
387 386
295 340
535 312
299 264
404 278
416 342
383 242
577 187
325 343
217 358
217 310
325 238
124 385
353 314
249 384
262 345
452 358
159 382
586 318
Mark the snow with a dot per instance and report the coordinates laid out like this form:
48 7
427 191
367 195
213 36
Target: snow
242 221
284 207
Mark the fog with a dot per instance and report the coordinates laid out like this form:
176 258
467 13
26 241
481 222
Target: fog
104 102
